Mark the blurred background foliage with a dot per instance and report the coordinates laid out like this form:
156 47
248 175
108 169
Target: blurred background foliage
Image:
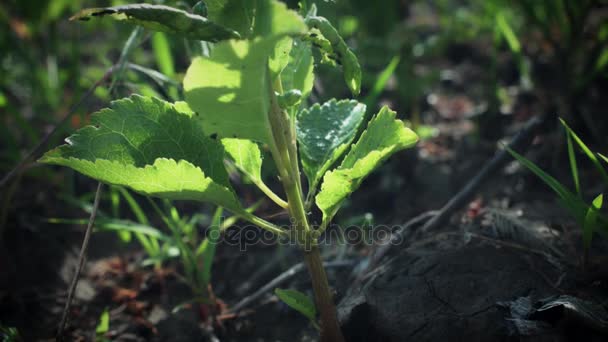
490 62
410 49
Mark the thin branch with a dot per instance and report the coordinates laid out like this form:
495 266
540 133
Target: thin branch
81 260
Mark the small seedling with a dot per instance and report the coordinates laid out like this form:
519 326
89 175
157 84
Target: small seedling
103 326
246 95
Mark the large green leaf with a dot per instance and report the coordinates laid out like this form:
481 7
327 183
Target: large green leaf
152 147
246 156
324 133
163 18
384 136
230 89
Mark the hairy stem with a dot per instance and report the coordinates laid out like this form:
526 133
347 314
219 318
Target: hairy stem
286 157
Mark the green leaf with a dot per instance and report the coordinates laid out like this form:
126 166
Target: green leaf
298 74
383 137
298 301
164 19
381 81
333 46
246 156
273 18
604 158
325 132
153 147
162 53
104 323
590 222
231 91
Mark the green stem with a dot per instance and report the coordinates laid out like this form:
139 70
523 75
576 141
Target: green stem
270 194
285 156
260 222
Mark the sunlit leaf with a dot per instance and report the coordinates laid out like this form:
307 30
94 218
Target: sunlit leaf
246 156
152 147
164 19
383 137
230 89
273 18
162 53
325 132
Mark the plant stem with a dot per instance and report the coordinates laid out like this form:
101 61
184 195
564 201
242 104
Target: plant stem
263 223
270 194
330 328
286 157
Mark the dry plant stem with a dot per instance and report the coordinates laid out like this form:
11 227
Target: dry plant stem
36 150
81 259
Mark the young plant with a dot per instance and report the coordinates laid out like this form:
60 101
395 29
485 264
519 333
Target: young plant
245 95
587 216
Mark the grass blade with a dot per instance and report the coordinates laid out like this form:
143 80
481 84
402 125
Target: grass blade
586 150
573 164
590 223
